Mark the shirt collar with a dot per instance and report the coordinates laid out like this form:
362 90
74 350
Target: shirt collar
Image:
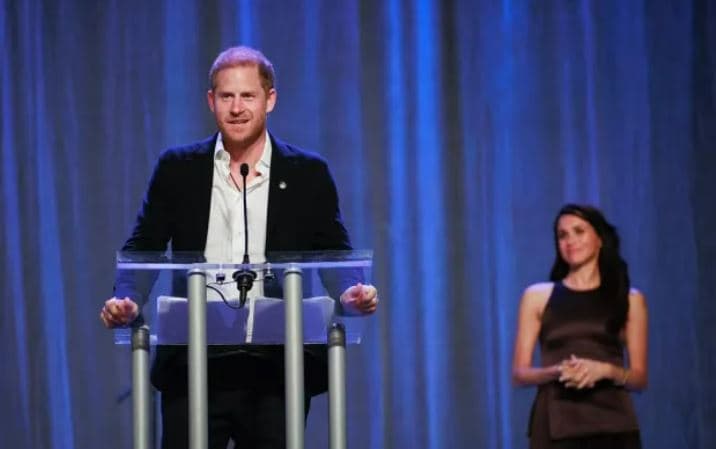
265 161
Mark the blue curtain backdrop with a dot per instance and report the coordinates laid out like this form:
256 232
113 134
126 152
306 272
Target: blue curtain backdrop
455 130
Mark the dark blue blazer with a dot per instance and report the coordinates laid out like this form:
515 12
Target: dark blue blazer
302 216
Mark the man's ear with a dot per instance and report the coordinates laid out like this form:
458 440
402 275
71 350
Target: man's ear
210 99
271 100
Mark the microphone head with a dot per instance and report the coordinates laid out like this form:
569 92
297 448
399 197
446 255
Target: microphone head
244 169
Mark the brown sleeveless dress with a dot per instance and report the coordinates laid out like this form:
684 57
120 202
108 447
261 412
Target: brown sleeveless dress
575 322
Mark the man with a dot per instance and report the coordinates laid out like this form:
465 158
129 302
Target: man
192 201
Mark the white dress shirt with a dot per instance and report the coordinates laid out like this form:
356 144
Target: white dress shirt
225 236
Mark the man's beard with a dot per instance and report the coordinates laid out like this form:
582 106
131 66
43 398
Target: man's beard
249 140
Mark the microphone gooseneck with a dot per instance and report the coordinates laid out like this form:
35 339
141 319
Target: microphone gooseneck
244 278
244 170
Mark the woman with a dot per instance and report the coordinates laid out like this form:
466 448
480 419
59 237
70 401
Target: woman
584 319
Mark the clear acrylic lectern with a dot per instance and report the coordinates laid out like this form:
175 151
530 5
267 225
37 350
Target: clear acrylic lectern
187 300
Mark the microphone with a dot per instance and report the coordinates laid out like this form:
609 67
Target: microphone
244 278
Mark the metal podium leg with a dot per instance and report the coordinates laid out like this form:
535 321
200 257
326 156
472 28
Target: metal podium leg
141 395
293 353
198 386
337 386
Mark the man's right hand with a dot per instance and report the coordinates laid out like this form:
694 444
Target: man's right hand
118 312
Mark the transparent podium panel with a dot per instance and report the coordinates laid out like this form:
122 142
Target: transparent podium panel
158 283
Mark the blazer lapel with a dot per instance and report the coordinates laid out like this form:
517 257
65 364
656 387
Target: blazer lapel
277 201
202 190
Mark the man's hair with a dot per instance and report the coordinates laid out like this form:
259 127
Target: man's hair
243 56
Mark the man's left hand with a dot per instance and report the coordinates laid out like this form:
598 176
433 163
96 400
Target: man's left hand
360 299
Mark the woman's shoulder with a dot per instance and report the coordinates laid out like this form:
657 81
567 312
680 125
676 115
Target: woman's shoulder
540 288
535 298
636 296
538 291
635 291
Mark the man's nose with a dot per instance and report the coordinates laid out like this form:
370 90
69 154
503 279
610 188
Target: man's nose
237 106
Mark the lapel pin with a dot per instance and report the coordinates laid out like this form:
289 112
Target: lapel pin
282 185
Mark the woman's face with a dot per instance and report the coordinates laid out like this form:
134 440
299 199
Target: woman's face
578 242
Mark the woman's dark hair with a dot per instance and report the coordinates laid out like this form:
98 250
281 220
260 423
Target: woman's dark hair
613 270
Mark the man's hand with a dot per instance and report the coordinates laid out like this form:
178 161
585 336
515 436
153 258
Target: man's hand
118 312
360 299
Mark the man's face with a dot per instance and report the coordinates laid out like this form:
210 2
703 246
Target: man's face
240 105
